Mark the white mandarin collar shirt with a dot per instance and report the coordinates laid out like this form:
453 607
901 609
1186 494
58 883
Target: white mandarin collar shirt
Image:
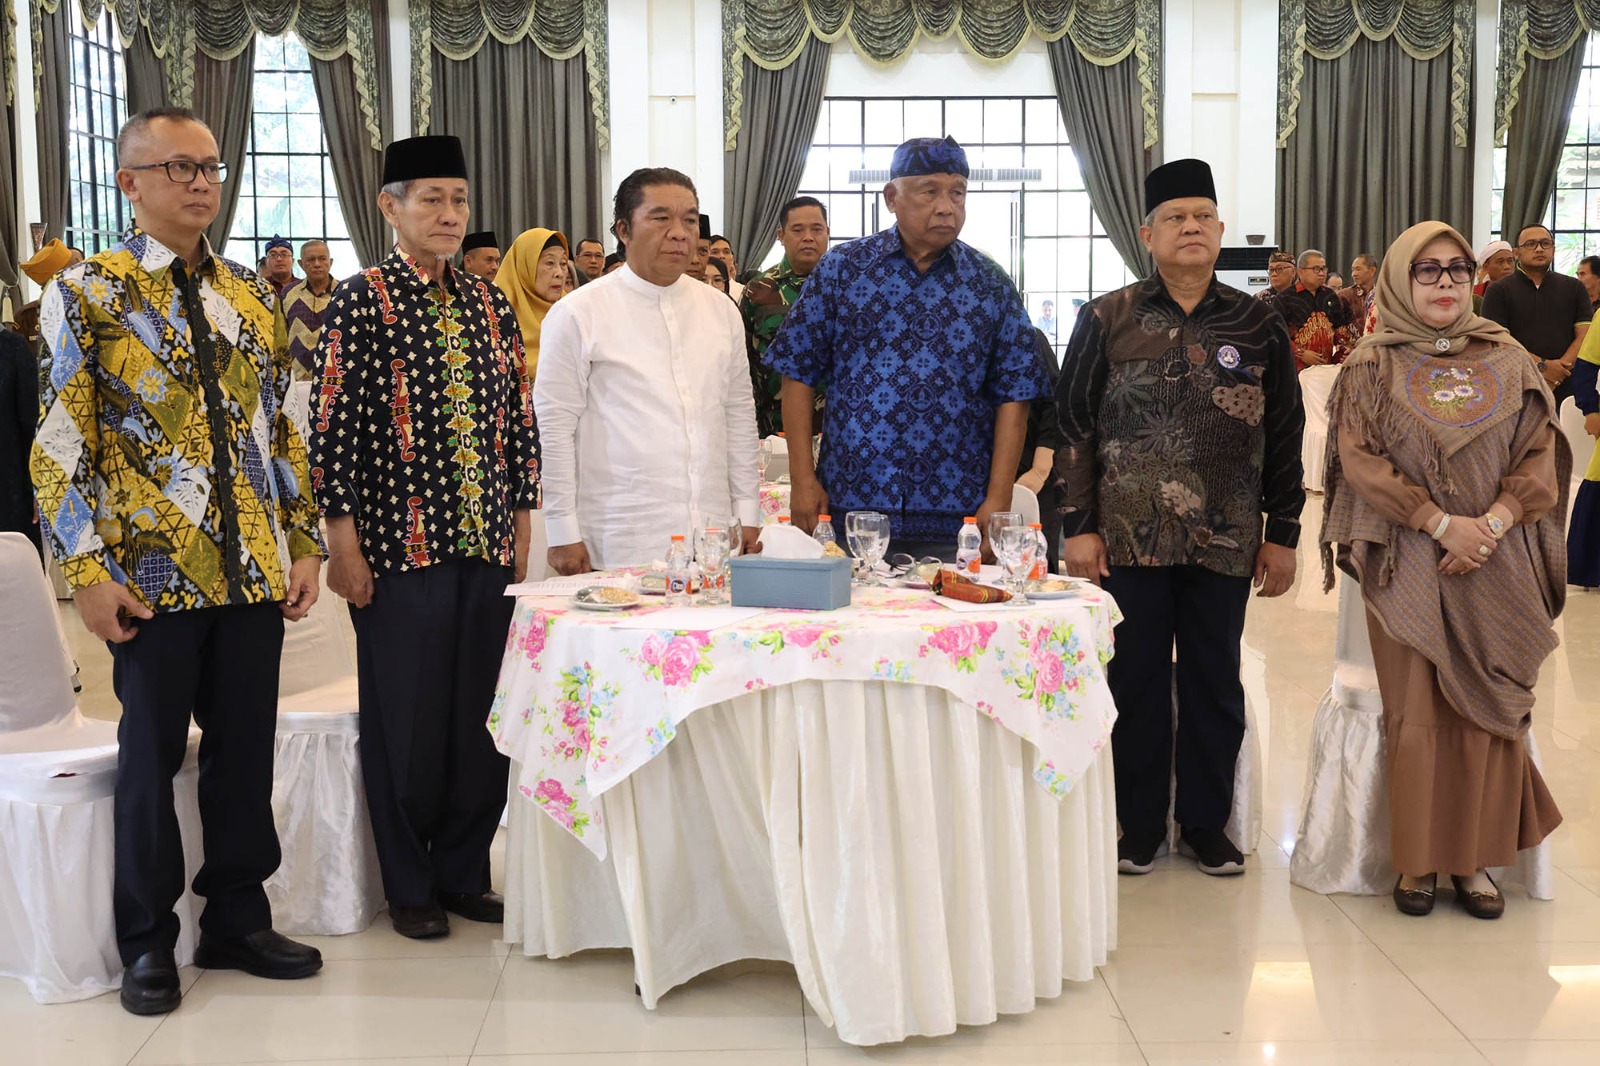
646 420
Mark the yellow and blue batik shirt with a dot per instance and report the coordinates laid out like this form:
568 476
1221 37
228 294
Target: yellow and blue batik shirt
164 460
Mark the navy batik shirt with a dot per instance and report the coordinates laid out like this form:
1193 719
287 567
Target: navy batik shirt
915 365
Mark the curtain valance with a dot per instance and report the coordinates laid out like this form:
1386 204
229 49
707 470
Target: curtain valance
562 29
222 29
1326 29
773 33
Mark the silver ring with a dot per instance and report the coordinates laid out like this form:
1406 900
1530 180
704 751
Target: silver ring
1483 549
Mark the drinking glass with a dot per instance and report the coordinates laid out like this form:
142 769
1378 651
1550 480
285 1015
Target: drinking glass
1017 548
998 521
766 456
868 534
715 577
711 551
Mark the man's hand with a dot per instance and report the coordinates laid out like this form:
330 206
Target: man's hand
990 505
1591 424
303 588
1310 356
102 606
1275 567
569 559
807 500
1085 556
350 576
752 540
1554 371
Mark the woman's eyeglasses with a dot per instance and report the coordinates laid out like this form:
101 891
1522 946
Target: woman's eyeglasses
183 171
1429 271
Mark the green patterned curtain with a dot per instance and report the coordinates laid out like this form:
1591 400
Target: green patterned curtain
772 34
1327 29
222 29
562 29
1540 30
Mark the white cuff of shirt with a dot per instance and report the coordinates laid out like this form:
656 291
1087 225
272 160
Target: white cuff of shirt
748 512
561 531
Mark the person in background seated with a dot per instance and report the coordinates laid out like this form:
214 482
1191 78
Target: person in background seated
1180 447
428 520
1445 468
643 395
173 492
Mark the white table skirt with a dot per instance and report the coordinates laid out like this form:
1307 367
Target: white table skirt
969 893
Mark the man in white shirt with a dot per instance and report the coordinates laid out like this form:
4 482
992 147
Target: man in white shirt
643 395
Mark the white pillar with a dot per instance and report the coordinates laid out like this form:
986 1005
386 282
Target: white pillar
1485 55
400 66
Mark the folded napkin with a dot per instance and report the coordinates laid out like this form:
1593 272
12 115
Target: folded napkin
787 542
952 584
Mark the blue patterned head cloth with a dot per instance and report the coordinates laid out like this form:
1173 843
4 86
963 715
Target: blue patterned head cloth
929 155
277 242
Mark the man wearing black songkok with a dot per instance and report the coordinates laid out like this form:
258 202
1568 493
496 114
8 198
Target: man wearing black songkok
1179 440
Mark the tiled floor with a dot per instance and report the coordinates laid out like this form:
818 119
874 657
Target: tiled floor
1209 971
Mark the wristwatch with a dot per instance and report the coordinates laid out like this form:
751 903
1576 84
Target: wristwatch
1496 526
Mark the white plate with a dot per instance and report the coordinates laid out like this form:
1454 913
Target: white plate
604 608
582 601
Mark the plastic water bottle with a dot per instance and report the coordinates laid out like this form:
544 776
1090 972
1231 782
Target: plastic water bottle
1041 565
678 559
969 546
824 534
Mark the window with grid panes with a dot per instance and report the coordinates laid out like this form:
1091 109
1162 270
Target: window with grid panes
97 107
1044 233
286 184
1573 213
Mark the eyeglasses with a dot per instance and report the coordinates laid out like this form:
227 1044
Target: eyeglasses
1544 242
183 171
1429 271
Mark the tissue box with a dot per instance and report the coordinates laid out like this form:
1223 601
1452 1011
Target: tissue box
810 584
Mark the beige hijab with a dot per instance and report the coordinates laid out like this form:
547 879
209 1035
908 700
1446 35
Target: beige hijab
1398 324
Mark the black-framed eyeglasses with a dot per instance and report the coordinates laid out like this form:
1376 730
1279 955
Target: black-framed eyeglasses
1542 242
183 171
1429 271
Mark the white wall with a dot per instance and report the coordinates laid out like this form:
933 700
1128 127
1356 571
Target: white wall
27 146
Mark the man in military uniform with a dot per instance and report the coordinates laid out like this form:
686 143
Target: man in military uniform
803 232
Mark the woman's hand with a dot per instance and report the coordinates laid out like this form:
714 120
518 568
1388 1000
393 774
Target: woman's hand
1468 544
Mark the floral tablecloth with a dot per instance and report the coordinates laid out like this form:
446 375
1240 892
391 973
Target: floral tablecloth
774 500
583 702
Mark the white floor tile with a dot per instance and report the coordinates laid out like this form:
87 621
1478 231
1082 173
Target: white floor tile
586 1004
1540 1052
1316 1053
1179 905
366 1007
1008 1055
1509 991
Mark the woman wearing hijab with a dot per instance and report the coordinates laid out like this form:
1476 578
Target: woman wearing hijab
533 275
1445 500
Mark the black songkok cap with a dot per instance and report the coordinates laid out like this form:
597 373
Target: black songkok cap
1178 180
424 157
705 227
481 239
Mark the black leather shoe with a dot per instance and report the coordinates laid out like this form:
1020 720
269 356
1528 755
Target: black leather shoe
1489 905
475 906
267 953
150 985
419 923
1416 902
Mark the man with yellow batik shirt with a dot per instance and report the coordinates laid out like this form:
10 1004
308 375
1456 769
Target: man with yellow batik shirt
173 491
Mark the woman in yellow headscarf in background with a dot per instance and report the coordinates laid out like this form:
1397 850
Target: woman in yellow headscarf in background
533 276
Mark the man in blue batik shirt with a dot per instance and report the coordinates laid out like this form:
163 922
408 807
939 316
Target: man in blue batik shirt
927 352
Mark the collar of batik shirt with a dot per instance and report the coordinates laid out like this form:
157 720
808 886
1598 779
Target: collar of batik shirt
156 258
407 269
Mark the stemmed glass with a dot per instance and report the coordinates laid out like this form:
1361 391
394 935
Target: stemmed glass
717 541
766 456
1017 548
998 521
868 535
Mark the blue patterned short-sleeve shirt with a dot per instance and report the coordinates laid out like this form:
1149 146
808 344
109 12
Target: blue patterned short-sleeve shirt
915 364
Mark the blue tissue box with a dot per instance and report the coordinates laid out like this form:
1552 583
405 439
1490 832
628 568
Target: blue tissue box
808 584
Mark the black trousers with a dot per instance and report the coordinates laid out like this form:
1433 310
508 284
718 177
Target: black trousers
428 651
219 664
1203 613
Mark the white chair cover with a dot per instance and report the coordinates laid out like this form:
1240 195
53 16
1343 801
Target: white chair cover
1343 841
328 882
778 465
57 773
1249 769
966 893
1583 447
1316 385
1025 502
